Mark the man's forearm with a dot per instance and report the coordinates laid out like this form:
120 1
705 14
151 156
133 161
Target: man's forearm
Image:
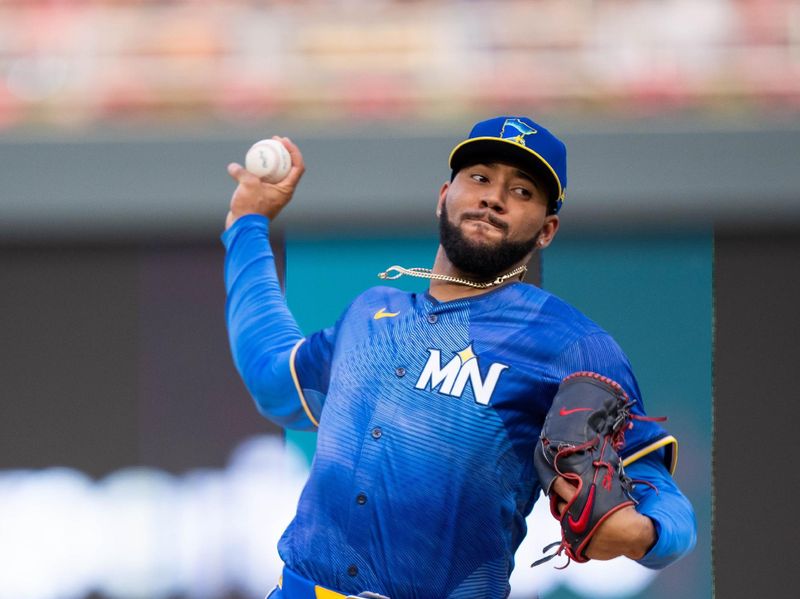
669 510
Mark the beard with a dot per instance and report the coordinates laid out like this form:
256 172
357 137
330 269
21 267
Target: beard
482 261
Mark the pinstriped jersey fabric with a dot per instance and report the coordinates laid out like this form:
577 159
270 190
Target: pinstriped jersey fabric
428 415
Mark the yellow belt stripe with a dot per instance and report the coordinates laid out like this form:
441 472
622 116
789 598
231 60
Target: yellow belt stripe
327 593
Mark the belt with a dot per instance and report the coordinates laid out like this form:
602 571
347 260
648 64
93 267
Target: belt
295 586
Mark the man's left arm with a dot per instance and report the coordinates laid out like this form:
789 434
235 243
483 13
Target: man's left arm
661 528
668 509
658 531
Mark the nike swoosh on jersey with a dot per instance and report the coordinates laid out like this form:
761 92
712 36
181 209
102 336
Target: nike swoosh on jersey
383 314
579 525
566 412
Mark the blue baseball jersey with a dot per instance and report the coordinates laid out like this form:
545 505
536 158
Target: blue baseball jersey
428 413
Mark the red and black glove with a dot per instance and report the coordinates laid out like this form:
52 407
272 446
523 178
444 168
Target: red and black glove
580 440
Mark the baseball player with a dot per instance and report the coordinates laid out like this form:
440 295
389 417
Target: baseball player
429 406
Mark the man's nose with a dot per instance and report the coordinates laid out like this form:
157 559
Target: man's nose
493 199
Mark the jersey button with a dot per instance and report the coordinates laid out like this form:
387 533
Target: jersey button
377 432
361 499
400 371
352 570
432 318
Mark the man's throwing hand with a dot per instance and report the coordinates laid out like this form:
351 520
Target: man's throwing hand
255 196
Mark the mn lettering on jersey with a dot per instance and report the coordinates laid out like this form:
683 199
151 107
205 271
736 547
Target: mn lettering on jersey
451 379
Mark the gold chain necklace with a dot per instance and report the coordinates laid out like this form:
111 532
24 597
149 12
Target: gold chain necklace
427 273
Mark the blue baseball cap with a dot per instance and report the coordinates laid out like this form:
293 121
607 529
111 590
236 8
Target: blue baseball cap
519 141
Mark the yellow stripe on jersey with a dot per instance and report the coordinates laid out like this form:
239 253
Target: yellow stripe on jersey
297 384
673 449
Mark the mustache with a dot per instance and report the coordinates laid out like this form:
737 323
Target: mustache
484 215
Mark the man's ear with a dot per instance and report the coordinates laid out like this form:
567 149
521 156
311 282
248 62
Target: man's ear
442 198
549 230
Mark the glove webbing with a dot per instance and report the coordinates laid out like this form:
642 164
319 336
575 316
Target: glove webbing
624 413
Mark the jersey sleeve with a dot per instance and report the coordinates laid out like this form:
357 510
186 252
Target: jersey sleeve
670 511
599 353
262 332
649 453
311 370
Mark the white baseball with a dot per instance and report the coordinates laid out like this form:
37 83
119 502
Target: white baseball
269 160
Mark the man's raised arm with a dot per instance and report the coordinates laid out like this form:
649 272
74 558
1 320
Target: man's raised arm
262 331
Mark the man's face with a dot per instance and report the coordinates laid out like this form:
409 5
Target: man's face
491 216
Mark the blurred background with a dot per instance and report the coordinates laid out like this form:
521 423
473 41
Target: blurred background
132 462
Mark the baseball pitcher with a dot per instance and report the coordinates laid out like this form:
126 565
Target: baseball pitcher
441 415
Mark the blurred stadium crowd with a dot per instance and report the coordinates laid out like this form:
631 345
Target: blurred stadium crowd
77 63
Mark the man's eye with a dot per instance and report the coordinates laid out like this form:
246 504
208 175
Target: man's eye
523 192
479 178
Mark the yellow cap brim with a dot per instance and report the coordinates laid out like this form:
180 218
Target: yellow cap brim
519 147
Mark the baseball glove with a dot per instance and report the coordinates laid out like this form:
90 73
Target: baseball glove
582 433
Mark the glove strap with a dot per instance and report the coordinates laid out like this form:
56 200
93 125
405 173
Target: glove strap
547 558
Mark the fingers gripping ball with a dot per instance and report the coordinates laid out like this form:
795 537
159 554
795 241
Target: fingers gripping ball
269 160
582 433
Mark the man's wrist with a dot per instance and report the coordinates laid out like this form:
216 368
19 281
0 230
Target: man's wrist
645 538
231 219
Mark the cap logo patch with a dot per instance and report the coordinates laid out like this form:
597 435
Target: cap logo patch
516 130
